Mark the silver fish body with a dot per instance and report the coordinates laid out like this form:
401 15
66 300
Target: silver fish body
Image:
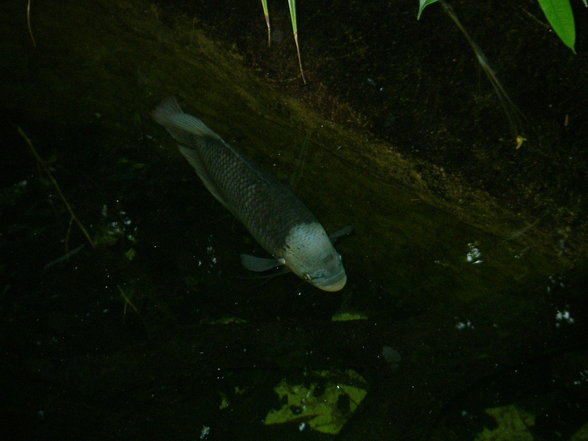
273 215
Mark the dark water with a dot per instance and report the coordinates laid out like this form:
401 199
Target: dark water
158 333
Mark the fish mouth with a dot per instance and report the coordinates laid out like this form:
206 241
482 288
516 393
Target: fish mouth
333 284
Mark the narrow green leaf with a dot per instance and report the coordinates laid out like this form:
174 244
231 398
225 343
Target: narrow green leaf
422 5
267 21
560 17
292 6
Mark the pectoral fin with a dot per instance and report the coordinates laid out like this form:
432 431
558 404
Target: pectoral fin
260 264
345 231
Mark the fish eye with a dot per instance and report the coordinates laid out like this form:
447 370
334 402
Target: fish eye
306 276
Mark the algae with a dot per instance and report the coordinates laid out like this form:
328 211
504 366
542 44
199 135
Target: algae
513 425
324 407
581 434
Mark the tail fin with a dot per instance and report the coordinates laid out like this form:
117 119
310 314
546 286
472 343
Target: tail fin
179 124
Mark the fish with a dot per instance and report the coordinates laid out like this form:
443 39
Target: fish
280 222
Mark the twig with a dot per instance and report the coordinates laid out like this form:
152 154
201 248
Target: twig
43 165
66 256
127 301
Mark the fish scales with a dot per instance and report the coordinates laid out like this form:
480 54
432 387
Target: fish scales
267 208
274 216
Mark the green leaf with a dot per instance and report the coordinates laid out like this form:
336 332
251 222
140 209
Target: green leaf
292 6
422 5
267 21
264 7
560 17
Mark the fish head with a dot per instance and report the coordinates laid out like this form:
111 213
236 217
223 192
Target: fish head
309 253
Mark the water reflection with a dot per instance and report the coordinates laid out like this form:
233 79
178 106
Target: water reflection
474 254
